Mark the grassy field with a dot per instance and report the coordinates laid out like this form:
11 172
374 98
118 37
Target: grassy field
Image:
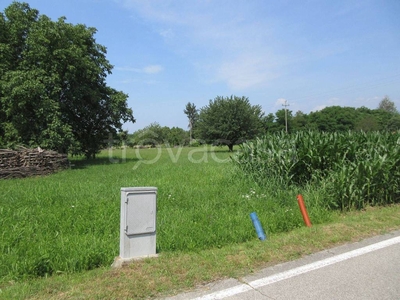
66 223
69 221
174 272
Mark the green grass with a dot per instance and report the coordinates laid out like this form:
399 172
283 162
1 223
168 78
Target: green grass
69 222
56 229
174 272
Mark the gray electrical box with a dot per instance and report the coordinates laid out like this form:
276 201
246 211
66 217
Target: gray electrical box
138 222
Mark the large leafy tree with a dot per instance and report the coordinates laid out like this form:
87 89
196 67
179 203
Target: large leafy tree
53 90
229 121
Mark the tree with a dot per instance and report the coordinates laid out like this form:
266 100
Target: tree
229 121
387 105
177 136
268 122
154 135
299 122
192 114
393 123
334 119
382 118
367 123
53 90
150 135
122 138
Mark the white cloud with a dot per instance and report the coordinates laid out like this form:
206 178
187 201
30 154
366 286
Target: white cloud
245 72
224 36
151 69
128 69
280 101
167 33
318 108
245 47
132 80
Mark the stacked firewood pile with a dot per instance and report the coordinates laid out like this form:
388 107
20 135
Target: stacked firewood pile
30 162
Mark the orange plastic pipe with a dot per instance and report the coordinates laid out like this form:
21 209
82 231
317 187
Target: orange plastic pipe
303 210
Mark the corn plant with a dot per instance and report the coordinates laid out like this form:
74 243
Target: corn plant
357 168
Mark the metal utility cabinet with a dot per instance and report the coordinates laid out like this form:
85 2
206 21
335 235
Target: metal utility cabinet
138 222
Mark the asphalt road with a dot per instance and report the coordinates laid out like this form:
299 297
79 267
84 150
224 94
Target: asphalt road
369 269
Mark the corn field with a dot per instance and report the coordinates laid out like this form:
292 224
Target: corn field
355 169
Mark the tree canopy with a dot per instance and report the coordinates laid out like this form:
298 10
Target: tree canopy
53 90
229 121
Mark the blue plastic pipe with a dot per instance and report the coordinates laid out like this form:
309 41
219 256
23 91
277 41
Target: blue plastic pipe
257 225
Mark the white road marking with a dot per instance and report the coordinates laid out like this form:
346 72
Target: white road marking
297 271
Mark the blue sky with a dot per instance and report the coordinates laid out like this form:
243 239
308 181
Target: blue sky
312 53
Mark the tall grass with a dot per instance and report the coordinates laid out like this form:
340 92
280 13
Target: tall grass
355 168
69 221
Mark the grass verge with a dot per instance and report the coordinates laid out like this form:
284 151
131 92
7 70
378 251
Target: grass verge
175 272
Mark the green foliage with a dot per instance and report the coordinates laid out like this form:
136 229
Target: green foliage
355 168
177 137
229 121
268 122
299 122
337 119
334 119
53 90
154 135
280 121
368 123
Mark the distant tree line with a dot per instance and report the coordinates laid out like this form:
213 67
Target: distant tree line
232 120
336 118
154 135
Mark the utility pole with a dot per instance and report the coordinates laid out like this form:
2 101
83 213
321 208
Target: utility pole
286 105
